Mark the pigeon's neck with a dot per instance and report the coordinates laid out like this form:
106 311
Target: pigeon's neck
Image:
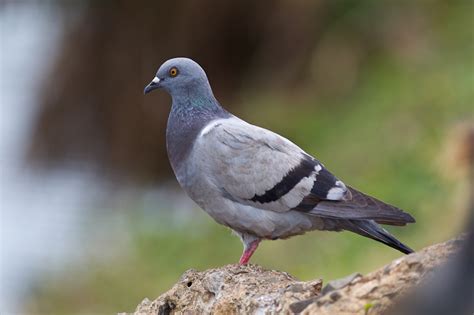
190 113
196 94
193 104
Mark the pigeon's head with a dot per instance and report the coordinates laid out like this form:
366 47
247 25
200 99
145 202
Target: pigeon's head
178 75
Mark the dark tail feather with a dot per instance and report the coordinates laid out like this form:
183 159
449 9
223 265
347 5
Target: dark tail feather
372 230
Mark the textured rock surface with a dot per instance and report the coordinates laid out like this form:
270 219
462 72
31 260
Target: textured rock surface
234 289
375 292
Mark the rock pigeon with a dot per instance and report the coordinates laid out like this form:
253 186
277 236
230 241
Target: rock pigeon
252 180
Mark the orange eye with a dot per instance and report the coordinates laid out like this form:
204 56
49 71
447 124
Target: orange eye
173 72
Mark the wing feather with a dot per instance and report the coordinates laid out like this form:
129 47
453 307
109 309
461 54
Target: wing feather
359 206
257 167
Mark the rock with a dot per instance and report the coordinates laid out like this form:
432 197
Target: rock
375 292
232 289
340 283
235 289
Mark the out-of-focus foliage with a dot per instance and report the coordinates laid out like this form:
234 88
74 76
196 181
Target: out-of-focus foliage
318 50
374 96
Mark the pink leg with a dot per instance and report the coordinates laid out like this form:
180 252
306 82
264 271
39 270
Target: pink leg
248 252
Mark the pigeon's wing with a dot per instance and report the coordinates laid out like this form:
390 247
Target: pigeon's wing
356 205
257 167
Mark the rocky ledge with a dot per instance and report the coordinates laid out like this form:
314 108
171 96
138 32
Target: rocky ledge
235 289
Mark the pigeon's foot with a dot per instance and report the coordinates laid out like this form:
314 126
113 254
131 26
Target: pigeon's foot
248 252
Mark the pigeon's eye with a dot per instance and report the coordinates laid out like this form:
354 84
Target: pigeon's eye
173 72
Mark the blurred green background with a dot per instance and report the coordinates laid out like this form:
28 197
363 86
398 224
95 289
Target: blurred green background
380 91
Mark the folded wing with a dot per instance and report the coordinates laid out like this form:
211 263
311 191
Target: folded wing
257 167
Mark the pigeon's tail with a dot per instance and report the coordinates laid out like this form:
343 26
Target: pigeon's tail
370 229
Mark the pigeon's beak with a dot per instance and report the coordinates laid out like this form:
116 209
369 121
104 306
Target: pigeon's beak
154 84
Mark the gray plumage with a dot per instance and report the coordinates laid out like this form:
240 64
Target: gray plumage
252 180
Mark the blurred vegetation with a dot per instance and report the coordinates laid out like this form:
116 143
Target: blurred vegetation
375 100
